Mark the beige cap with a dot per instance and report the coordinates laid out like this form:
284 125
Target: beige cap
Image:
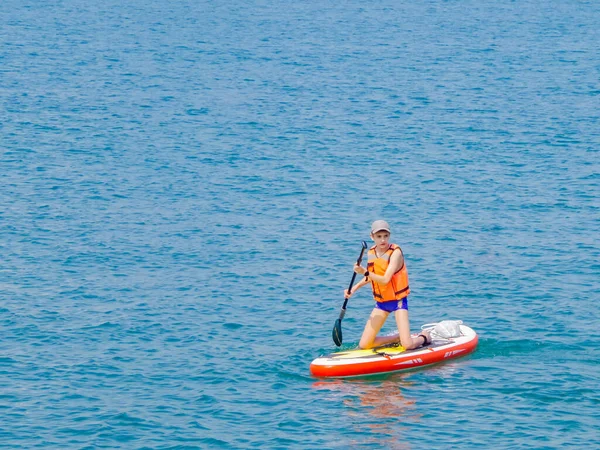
380 225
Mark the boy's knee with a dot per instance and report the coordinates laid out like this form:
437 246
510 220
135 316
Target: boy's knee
365 345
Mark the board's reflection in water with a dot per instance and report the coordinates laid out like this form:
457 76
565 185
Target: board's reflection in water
378 406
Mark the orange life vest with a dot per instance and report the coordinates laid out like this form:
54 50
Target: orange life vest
397 288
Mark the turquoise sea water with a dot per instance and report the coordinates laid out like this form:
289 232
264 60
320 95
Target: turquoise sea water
185 185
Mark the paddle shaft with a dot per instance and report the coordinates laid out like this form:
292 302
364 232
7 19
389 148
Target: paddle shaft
362 251
343 311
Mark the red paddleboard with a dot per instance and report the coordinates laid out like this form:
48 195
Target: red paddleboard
394 358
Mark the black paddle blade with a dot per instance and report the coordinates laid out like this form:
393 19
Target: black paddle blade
336 334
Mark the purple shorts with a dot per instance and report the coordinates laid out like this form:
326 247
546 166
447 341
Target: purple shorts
393 305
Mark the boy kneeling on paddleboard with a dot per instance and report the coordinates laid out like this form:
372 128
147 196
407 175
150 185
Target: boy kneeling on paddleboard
387 274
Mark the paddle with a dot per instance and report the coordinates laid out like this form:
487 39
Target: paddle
337 328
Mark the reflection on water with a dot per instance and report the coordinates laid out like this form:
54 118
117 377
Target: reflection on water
376 406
